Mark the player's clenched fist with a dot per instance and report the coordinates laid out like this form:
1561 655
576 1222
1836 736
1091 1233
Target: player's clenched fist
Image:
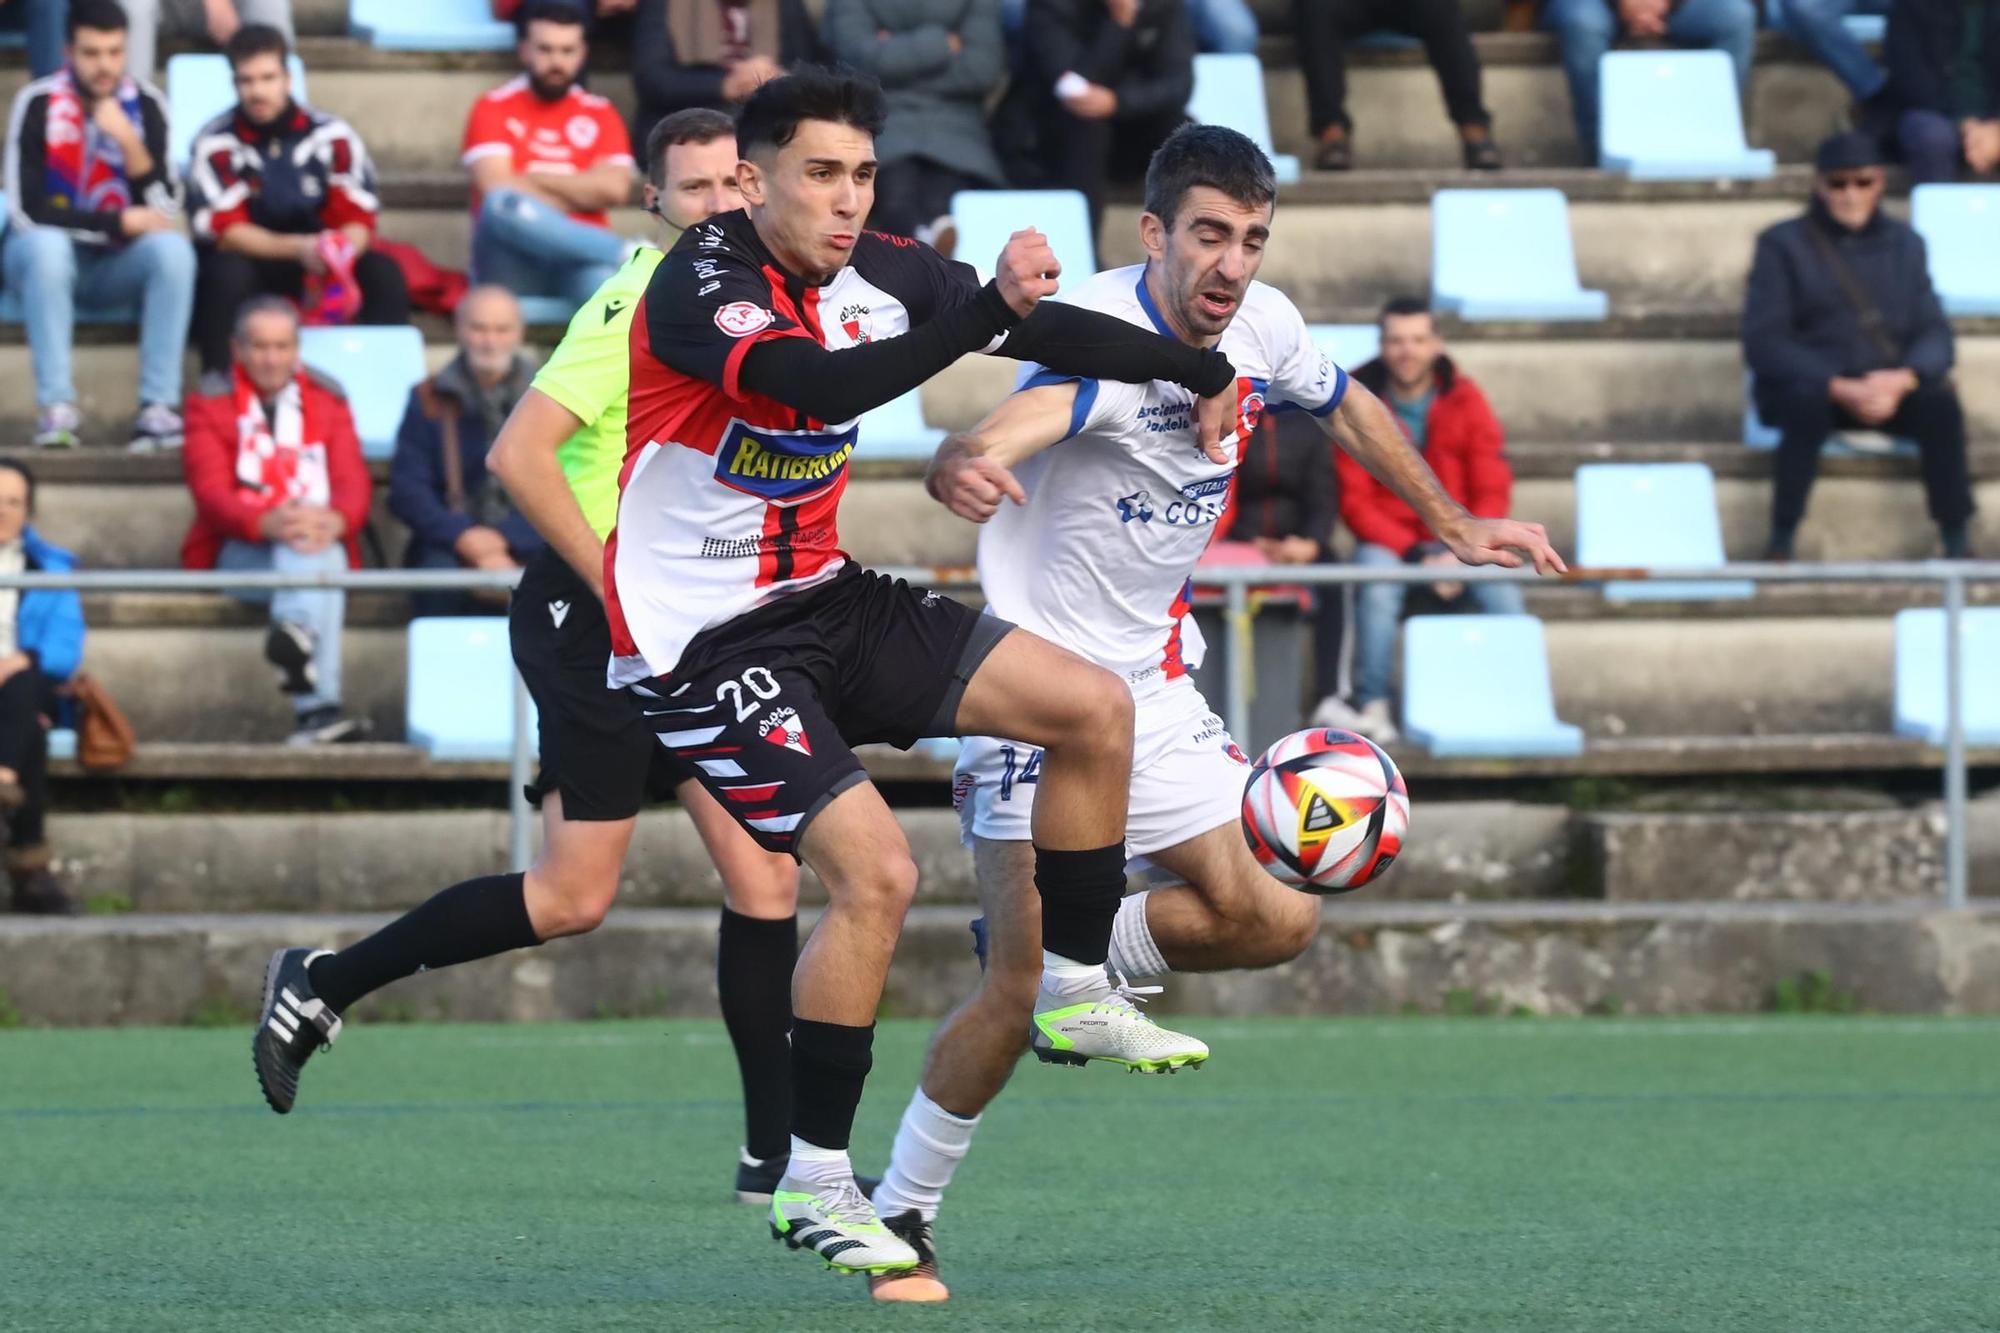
1027 271
969 484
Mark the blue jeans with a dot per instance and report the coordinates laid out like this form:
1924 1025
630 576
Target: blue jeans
43 22
54 274
319 611
1378 609
533 249
1225 26
1588 27
1816 25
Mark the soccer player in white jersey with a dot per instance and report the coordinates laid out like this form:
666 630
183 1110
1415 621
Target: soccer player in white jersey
1097 503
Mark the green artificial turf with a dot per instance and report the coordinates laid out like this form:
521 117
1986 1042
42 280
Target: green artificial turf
1474 1174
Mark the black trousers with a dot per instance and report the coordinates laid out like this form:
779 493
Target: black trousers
1805 416
224 280
1325 27
914 191
25 698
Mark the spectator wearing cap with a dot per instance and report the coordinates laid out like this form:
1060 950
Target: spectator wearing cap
1587 28
1942 103
1842 329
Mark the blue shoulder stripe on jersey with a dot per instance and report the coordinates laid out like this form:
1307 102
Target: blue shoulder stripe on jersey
1086 396
1339 392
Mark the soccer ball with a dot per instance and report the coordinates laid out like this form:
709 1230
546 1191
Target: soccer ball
1325 810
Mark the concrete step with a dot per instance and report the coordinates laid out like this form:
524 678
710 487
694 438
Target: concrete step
1551 958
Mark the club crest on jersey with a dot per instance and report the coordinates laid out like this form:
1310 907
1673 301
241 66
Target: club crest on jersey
783 467
781 726
1138 505
858 323
740 319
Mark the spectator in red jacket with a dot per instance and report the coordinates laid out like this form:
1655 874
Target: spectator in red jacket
1448 419
279 484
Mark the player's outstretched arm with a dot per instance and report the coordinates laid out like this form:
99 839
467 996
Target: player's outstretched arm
1364 427
973 470
523 456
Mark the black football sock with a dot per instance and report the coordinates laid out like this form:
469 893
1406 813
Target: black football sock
830 1063
476 919
1080 894
754 958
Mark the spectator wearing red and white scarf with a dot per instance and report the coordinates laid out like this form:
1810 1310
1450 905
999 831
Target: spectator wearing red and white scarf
279 484
96 222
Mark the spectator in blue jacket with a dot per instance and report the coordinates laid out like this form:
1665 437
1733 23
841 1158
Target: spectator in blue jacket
458 515
41 642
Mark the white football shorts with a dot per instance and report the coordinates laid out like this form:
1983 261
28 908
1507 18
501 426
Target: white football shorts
1187 774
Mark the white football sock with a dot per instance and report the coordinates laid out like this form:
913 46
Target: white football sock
1066 976
818 1166
930 1143
1133 952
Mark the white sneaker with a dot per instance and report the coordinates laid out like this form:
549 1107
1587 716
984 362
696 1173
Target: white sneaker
1374 722
1104 1023
1333 711
837 1223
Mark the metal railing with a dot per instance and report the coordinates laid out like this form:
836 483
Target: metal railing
1236 582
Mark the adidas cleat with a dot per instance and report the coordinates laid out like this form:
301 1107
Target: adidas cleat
913 1286
1108 1025
837 1223
295 1024
757 1179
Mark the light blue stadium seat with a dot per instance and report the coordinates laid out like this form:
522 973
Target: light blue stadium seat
429 25
1507 254
1229 91
1866 27
1651 516
1960 225
1351 346
1759 434
10 300
986 218
1674 115
1478 686
546 309
199 88
377 365
459 700
62 743
1920 674
897 429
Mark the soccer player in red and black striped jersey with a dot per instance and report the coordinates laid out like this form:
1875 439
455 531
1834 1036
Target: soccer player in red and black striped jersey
762 653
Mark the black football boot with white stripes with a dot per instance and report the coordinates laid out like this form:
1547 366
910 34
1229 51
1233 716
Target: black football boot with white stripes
296 1023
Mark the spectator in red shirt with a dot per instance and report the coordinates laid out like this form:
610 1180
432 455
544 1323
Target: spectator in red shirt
547 159
1448 419
279 484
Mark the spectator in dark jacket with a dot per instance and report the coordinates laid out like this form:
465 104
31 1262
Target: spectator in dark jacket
1842 328
1283 500
1942 104
712 53
41 642
1106 82
1450 422
1325 27
938 61
459 516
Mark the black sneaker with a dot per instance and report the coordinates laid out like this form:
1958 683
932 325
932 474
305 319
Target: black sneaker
289 648
295 1023
327 725
919 1285
756 1179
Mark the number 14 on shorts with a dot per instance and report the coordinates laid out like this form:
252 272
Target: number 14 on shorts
1026 771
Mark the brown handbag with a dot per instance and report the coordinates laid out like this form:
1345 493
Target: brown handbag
104 736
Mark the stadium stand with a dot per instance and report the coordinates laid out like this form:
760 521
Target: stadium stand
897 429
1507 254
986 218
1229 90
1479 686
1651 516
199 89
1920 696
1673 115
460 691
377 366
1349 345
1960 225
430 25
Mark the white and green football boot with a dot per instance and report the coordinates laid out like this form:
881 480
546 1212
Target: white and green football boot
837 1223
1106 1024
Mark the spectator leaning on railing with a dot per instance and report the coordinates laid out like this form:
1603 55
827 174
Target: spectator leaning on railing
1452 425
41 642
1842 329
96 221
458 514
282 199
279 484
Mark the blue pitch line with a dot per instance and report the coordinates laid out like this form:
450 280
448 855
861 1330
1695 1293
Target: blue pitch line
1583 1099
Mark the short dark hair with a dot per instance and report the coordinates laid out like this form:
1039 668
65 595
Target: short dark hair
547 11
696 125
1406 305
98 16
809 92
255 39
1211 155
14 465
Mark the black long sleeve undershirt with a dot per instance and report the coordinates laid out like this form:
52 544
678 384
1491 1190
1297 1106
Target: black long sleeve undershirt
839 385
